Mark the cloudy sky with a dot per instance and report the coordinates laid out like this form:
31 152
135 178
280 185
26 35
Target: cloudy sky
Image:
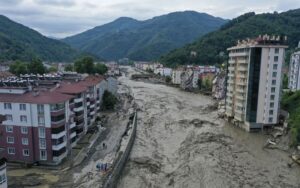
60 18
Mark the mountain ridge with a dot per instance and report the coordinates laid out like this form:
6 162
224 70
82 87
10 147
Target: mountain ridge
19 42
249 25
147 39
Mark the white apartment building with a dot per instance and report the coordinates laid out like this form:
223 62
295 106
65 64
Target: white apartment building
254 81
294 72
176 76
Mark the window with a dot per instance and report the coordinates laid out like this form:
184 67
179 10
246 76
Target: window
271 105
276 50
23 107
273 89
9 128
40 108
273 82
43 155
274 74
23 118
275 58
9 117
272 97
7 106
25 152
275 66
270 120
271 112
24 130
10 140
42 132
41 120
25 141
11 151
42 143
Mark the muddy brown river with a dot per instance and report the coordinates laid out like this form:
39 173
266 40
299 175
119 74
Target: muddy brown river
181 143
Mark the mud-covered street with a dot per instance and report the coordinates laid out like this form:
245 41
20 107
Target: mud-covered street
182 143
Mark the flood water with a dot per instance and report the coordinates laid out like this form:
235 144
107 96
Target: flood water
181 143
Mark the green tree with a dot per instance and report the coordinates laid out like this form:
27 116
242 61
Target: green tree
69 67
109 100
52 69
85 65
101 68
36 67
18 68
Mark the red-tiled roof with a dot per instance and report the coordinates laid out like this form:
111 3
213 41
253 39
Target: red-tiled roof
41 97
71 88
92 80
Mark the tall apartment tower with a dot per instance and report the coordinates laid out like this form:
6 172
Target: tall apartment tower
254 81
294 72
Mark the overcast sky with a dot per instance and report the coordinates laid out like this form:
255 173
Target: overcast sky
60 18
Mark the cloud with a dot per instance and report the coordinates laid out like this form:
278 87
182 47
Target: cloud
60 18
64 3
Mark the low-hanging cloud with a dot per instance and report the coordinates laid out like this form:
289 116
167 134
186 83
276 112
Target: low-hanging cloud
61 18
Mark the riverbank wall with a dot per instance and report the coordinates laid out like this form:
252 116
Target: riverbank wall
112 178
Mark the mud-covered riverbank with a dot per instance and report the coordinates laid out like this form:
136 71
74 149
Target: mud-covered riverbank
181 143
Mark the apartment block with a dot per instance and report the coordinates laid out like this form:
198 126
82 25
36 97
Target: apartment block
294 72
46 115
254 81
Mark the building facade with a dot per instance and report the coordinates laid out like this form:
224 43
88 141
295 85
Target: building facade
294 72
45 118
254 81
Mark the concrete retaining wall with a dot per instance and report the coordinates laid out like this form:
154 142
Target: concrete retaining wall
112 179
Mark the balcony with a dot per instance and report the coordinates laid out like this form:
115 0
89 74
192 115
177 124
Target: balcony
242 68
240 97
73 135
59 146
92 106
56 112
230 81
78 100
58 135
238 54
231 75
239 117
98 101
244 61
231 68
92 113
79 117
58 123
72 125
231 61
78 109
60 158
241 83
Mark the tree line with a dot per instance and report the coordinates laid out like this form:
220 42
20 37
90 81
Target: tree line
83 65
